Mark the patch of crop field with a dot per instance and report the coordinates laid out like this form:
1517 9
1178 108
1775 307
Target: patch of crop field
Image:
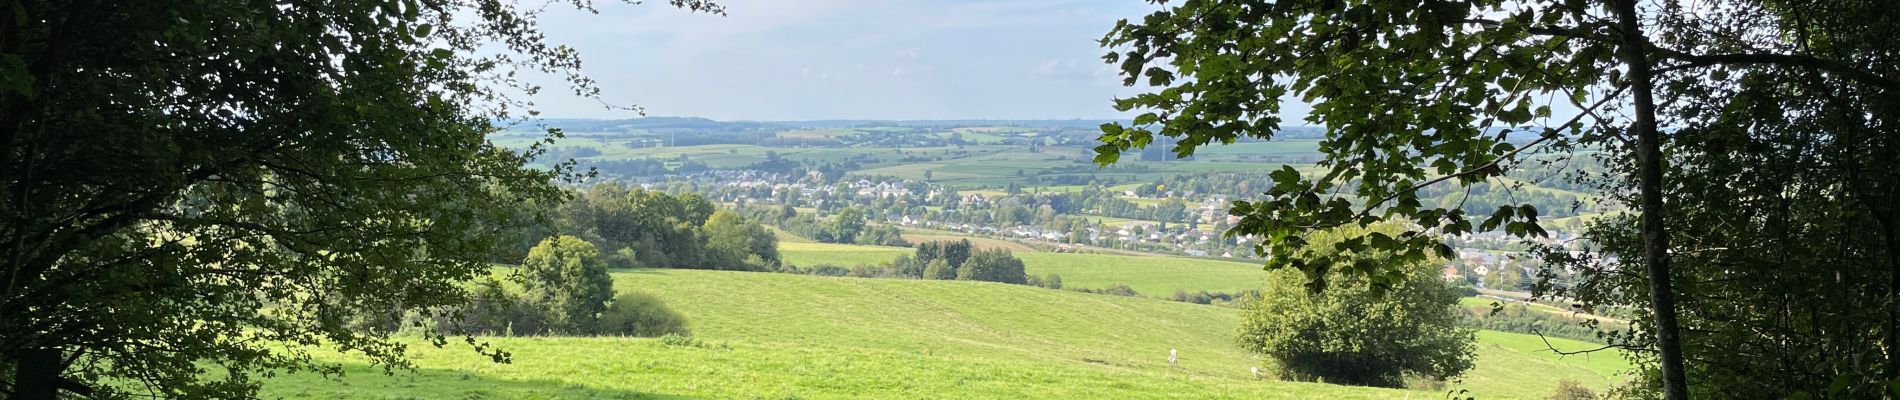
822 133
1192 166
981 243
913 171
973 137
1056 189
1292 146
1575 223
739 155
1157 276
785 236
984 192
1149 275
1515 365
843 255
1484 305
765 335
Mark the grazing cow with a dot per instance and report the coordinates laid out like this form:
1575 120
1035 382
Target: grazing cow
1256 373
1171 354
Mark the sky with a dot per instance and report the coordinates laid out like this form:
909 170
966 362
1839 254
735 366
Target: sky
782 60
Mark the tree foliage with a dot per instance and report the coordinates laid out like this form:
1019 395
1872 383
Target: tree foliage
1356 332
643 315
736 244
1767 124
184 183
564 275
656 230
995 265
940 270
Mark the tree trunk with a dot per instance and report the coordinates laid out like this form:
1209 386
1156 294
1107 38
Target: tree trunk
1662 297
36 374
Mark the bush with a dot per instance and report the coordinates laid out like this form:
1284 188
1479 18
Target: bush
908 267
565 275
826 270
495 310
993 266
1354 332
641 314
874 271
1571 390
1115 289
940 269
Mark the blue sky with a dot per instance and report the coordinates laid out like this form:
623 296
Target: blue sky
845 59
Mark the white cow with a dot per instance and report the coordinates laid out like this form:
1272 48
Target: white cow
1171 356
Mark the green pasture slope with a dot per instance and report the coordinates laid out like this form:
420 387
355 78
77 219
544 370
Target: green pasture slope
1149 275
782 336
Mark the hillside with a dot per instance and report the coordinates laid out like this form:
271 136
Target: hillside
793 336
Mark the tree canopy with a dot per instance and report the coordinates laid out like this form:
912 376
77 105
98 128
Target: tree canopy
184 183
1783 107
1356 333
565 276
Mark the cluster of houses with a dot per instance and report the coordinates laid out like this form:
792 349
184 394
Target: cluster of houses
752 187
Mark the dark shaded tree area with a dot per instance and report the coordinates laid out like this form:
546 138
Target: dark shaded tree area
1752 141
185 184
651 229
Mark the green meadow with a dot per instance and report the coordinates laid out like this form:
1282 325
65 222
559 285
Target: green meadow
1149 275
782 336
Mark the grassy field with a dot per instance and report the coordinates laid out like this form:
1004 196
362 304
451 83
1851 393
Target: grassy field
843 255
1149 275
981 243
780 336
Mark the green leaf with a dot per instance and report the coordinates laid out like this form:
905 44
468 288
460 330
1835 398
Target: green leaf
14 76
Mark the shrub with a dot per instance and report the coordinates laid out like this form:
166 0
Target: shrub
874 271
827 270
908 267
940 269
565 275
1571 390
682 340
641 314
623 258
1115 289
495 310
993 266
1355 332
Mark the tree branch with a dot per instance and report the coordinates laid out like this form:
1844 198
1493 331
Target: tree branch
1784 60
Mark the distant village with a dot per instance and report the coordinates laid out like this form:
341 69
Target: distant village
1063 221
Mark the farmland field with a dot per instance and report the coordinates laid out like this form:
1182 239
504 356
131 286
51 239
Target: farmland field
981 243
1149 275
777 336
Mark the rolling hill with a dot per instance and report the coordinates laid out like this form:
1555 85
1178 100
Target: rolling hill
781 336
